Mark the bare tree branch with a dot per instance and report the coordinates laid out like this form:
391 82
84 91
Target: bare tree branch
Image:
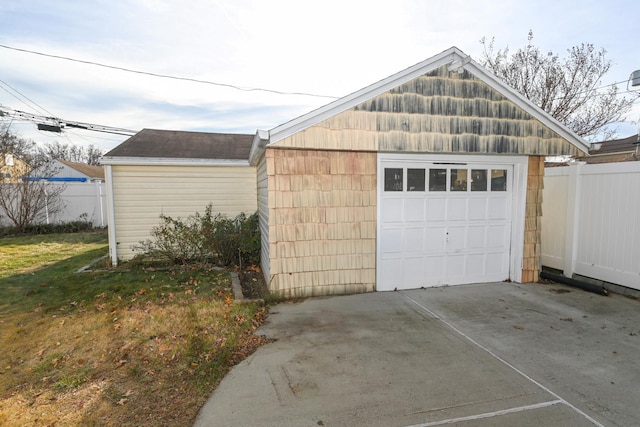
26 197
567 88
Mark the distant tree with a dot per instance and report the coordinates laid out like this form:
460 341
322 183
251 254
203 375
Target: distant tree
11 143
26 199
71 152
570 89
93 155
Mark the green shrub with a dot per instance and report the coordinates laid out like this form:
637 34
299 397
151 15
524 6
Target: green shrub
177 241
204 238
250 241
61 227
234 241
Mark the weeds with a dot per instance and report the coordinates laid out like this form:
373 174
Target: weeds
67 383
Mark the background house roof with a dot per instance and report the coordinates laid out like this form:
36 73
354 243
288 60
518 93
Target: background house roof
154 143
91 171
623 145
615 150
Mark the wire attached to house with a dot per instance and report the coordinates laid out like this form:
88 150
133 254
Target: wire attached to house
167 76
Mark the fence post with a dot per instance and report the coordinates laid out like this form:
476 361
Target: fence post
572 218
46 205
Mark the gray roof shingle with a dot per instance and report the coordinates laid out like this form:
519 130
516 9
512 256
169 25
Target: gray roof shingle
623 145
185 145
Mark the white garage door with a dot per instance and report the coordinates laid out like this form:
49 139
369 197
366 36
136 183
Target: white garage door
443 223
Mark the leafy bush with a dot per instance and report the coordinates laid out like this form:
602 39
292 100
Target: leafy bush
204 238
177 241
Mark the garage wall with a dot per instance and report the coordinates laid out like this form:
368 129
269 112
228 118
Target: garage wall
263 215
322 222
532 249
142 193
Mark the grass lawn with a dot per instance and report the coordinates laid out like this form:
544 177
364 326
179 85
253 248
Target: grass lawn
121 347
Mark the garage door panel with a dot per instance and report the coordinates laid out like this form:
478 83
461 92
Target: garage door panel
434 270
456 238
498 208
392 238
455 266
389 268
436 239
457 209
476 237
496 262
475 265
392 210
414 270
414 240
436 209
414 210
497 236
478 208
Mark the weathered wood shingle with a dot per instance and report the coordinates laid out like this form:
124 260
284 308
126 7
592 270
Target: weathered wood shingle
438 112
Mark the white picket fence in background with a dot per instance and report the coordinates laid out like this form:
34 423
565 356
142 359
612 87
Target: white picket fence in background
591 221
78 198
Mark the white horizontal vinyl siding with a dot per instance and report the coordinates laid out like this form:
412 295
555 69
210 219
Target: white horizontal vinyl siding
142 193
263 209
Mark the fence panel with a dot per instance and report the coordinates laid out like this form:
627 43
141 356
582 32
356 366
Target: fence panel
78 199
554 217
602 223
84 198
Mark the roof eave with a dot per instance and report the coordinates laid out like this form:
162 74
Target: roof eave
258 146
169 161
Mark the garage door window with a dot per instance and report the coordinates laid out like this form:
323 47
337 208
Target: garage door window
393 179
415 180
498 180
445 179
458 180
437 180
478 180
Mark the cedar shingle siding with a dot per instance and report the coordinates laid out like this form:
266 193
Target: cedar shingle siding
439 112
322 222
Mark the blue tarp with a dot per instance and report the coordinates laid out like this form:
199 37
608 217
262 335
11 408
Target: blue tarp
57 179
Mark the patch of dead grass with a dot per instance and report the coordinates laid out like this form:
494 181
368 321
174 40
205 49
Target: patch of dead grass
140 348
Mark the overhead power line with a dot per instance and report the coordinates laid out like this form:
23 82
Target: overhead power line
22 97
54 124
167 76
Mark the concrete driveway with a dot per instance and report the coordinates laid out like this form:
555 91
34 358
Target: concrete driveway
478 355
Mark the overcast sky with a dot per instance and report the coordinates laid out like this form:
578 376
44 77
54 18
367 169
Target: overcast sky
328 47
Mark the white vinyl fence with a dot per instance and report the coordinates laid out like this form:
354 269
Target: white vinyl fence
591 221
80 199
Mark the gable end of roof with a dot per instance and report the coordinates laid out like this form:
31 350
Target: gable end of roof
457 60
